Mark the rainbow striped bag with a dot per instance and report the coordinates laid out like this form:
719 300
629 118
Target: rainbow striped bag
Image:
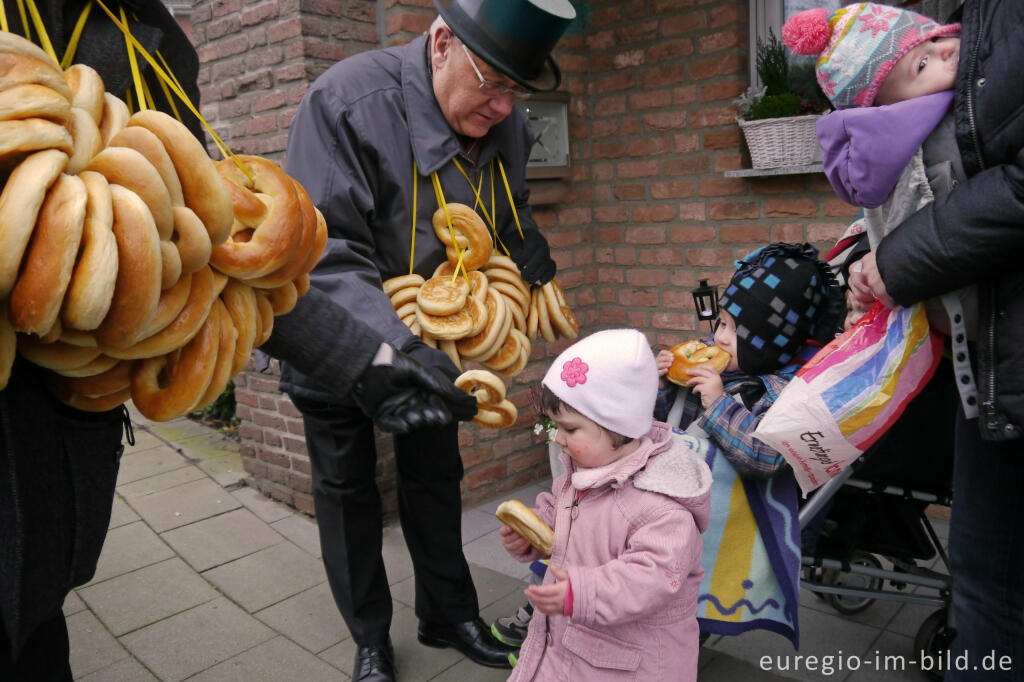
851 392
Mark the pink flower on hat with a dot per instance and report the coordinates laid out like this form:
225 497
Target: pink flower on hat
877 20
574 372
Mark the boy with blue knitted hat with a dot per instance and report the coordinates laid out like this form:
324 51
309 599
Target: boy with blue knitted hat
780 305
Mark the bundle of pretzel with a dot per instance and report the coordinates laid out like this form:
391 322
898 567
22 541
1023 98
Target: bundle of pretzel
131 264
479 309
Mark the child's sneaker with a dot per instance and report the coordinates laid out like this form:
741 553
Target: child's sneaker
511 630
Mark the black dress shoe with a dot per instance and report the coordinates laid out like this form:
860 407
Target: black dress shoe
375 663
472 638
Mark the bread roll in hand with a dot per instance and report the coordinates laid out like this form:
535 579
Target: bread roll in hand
524 521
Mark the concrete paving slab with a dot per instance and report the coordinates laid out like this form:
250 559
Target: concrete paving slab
310 618
92 647
121 513
149 462
217 455
125 670
415 661
468 670
144 439
72 604
721 668
301 530
128 548
269 510
184 504
877 615
267 576
197 639
488 551
909 618
220 539
477 523
527 495
145 596
178 430
899 664
155 484
273 661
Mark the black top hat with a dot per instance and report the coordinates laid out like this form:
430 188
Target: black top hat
514 36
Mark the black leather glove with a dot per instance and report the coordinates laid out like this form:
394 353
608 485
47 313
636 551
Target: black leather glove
402 395
533 256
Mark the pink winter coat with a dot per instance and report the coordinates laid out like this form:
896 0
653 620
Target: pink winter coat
632 549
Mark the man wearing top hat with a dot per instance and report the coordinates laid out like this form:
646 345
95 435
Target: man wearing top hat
372 138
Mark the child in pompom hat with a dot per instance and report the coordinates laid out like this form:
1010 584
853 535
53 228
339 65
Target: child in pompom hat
780 304
620 596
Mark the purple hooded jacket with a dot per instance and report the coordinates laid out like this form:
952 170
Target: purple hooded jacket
864 150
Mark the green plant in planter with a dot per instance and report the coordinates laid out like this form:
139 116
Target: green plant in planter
785 91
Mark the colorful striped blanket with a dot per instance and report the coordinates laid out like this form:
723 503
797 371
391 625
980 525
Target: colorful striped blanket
751 554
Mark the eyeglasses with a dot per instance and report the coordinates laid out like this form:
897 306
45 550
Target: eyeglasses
491 88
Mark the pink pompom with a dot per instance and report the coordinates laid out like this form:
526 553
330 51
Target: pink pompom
807 32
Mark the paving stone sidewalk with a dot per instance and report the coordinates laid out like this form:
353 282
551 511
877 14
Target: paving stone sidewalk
204 578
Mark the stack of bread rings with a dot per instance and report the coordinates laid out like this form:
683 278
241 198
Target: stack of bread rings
133 266
476 306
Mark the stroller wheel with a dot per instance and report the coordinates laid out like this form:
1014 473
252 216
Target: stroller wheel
847 604
933 639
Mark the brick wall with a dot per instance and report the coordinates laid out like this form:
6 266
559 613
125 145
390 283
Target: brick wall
648 212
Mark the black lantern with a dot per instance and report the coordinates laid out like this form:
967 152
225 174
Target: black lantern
705 300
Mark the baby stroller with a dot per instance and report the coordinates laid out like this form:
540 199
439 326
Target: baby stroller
874 512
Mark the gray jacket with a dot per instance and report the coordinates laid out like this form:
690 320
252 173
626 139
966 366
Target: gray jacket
352 145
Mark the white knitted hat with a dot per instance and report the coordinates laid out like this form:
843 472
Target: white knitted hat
609 377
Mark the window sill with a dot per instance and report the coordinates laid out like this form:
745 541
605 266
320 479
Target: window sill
764 172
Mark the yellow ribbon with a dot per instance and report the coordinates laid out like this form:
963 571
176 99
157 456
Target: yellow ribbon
415 185
76 36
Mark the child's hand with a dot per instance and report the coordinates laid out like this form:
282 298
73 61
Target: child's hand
514 543
706 382
664 361
550 599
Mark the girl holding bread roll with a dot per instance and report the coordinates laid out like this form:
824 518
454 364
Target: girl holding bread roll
626 520
780 304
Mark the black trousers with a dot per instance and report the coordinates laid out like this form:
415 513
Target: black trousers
44 656
340 440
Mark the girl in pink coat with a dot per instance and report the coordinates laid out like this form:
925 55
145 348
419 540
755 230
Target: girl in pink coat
619 600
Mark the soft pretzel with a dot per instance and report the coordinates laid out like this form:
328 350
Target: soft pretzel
272 242
58 356
449 349
471 235
403 297
302 283
13 45
21 137
692 354
305 238
86 90
191 239
114 119
170 385
442 296
201 186
395 284
493 410
454 326
170 265
172 302
240 303
19 206
99 403
18 69
562 319
473 347
91 288
225 356
524 355
265 318
129 168
283 298
532 315
547 332
137 288
100 364
116 378
525 521
149 145
202 291
31 100
85 139
50 258
477 308
506 355
499 261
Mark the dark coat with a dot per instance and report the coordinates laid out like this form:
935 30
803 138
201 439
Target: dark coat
975 234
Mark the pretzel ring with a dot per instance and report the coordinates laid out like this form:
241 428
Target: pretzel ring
58 356
442 327
559 312
524 355
116 378
20 202
149 145
403 297
201 186
85 140
31 100
191 239
20 65
240 303
129 168
471 235
473 347
309 243
100 364
442 296
172 302
283 298
275 239
691 354
266 318
225 356
507 354
50 259
170 385
114 119
395 284
87 90
13 45
91 288
137 288
493 410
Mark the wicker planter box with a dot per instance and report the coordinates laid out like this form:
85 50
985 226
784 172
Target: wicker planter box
781 142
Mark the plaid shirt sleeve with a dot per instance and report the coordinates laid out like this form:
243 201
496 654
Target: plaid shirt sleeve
731 426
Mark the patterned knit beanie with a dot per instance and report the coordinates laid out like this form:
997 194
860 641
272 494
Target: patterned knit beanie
777 296
611 378
858 45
